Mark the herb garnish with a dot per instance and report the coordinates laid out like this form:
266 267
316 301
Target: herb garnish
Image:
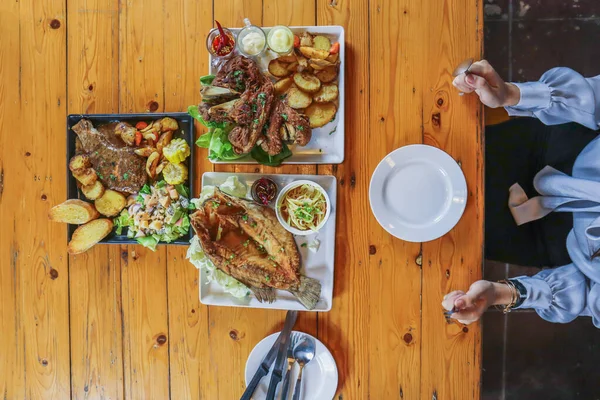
125 176
303 245
299 127
245 217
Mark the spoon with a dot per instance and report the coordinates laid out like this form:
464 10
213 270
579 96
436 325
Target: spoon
463 68
304 352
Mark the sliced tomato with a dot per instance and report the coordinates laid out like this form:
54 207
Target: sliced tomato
141 125
297 41
138 138
335 48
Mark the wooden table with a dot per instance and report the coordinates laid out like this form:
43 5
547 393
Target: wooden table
123 322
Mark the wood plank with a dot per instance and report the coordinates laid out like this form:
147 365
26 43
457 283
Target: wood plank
186 24
12 362
345 329
396 93
33 181
452 123
144 273
95 277
235 331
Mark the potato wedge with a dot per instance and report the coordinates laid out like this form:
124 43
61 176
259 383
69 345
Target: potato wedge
146 150
307 82
319 114
328 92
312 53
151 164
315 66
89 234
79 162
73 211
296 98
164 140
161 166
126 132
287 59
86 176
93 191
321 63
327 75
168 124
292 67
322 43
278 69
306 40
283 85
333 58
110 203
302 63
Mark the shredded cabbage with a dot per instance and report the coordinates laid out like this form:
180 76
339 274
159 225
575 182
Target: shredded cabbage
230 285
195 253
304 207
231 186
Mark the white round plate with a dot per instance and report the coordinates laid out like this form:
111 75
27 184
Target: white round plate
319 379
418 193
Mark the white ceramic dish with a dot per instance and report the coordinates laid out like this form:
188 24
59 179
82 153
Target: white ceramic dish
327 143
318 265
294 185
320 376
418 193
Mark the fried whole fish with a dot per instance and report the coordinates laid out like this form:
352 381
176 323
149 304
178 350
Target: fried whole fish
245 241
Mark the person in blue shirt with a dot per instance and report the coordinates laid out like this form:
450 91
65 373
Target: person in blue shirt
542 200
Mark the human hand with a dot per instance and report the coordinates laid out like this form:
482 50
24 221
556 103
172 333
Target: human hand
471 305
483 79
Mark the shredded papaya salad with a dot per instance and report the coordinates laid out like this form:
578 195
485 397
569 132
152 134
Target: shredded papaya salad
304 207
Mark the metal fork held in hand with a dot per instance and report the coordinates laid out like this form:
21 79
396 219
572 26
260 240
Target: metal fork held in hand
285 386
449 313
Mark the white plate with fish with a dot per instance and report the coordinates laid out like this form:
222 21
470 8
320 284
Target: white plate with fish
316 251
327 143
418 193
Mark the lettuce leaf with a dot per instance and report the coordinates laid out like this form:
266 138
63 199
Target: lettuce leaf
207 80
148 241
232 186
262 157
199 259
123 220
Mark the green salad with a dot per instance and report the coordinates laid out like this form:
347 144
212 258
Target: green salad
158 213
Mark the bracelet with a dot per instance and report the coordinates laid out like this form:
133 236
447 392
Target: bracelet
514 296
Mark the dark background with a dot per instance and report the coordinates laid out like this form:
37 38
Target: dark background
525 357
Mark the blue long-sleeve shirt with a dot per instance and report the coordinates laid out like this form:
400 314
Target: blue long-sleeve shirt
562 294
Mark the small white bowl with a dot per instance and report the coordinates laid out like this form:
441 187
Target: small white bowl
294 185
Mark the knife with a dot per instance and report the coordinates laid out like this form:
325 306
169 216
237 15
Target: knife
264 367
276 376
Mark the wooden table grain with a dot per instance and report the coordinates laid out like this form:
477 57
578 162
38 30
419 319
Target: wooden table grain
126 323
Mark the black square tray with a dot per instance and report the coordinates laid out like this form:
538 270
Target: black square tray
186 124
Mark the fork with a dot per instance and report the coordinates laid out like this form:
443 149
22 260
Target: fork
285 386
448 313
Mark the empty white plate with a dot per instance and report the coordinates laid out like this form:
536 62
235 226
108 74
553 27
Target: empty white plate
418 193
319 378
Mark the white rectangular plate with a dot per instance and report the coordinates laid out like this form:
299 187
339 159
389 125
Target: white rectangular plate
327 143
317 265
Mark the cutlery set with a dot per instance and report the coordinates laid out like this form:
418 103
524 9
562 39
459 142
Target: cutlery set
289 348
